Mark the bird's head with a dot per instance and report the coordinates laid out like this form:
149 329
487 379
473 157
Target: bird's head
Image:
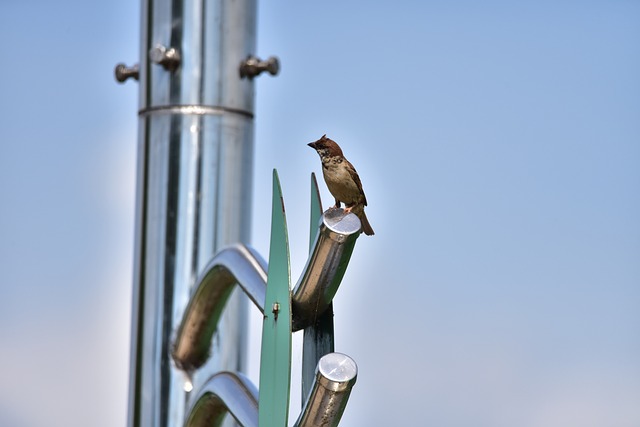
326 148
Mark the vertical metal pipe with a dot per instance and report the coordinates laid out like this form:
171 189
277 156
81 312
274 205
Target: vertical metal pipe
195 149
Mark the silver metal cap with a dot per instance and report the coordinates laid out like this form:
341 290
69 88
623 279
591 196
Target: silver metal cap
337 372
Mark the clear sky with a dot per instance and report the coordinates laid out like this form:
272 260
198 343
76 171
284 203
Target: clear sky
499 147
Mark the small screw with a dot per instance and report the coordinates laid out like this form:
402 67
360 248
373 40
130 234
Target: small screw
276 310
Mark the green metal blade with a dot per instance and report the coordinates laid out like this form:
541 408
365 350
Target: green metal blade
275 357
316 210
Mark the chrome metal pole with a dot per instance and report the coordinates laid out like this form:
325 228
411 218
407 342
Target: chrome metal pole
195 155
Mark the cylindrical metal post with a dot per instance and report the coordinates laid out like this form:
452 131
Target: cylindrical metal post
325 267
335 377
194 188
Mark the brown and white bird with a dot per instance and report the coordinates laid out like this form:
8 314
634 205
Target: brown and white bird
342 179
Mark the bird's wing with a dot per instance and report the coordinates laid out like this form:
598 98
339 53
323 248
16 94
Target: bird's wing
356 179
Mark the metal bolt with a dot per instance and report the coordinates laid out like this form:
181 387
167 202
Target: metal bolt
123 72
253 66
168 57
276 310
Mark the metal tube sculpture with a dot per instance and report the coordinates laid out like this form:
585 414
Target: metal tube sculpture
193 205
195 160
269 288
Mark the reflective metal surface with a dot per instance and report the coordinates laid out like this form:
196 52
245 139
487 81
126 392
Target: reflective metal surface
335 377
325 267
187 211
318 337
212 37
237 264
317 341
223 393
193 192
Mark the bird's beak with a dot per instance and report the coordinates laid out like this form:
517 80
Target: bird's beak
312 145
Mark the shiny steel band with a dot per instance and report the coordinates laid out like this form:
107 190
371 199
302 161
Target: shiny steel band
202 110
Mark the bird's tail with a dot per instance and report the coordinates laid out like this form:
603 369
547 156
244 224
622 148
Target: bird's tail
366 227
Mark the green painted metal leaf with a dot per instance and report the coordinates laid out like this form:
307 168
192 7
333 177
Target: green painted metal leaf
275 356
316 210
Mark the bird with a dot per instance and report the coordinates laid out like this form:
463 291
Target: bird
342 180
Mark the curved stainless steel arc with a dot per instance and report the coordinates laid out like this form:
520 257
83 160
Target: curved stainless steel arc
225 392
325 267
237 264
241 265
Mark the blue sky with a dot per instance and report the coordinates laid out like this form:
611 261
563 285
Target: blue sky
498 144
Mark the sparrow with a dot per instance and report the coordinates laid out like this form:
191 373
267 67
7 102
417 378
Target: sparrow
342 179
